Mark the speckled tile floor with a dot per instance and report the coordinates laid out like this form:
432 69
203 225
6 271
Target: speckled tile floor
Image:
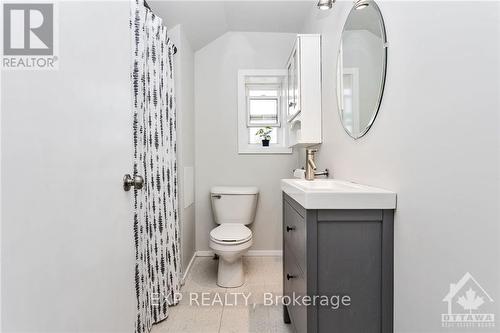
200 311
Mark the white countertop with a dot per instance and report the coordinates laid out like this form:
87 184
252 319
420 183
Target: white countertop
337 194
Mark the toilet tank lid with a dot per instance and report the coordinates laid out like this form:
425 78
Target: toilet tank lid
234 190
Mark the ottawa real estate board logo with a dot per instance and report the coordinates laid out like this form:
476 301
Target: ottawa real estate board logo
29 36
469 305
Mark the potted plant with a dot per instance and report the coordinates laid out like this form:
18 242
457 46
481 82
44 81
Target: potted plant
264 135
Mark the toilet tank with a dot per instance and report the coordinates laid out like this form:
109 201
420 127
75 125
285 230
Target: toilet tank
232 204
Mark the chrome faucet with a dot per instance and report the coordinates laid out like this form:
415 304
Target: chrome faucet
311 166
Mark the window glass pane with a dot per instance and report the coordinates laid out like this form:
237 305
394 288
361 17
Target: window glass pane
263 111
257 139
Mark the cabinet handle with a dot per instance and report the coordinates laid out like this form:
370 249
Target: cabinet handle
288 229
288 276
291 104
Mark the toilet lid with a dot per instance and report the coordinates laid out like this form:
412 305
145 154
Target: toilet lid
231 233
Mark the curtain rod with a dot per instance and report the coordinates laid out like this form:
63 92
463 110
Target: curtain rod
147 6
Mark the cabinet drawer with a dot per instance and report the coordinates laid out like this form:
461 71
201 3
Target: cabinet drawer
294 234
295 284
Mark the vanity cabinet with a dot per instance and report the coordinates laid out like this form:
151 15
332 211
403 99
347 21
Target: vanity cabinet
303 92
337 253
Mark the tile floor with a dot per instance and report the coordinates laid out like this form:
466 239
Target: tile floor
263 275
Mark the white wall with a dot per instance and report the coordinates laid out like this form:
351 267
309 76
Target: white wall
67 233
217 159
184 85
435 142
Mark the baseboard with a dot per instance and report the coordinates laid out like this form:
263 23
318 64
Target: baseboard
188 268
204 253
264 253
251 253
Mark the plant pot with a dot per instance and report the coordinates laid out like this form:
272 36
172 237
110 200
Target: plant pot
265 143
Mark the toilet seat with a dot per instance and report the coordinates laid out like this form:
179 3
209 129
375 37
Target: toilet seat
231 234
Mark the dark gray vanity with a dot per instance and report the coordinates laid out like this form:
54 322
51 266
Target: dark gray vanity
338 252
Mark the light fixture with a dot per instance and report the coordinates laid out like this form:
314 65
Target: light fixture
361 4
325 4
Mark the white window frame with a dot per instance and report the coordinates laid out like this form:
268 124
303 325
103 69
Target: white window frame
244 147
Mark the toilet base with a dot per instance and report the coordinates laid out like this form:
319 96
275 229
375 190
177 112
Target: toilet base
230 273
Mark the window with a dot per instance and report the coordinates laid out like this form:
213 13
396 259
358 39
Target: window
263 109
260 105
263 105
349 100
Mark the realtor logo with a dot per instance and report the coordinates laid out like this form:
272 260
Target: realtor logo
467 301
29 36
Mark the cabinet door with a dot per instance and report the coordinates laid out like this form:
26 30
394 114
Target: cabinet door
296 76
291 89
294 283
294 234
293 93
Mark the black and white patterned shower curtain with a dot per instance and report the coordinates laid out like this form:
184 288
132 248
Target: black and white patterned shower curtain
156 230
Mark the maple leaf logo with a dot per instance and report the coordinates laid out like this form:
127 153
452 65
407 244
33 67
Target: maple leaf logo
470 301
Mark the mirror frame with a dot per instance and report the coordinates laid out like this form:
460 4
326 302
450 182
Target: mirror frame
356 6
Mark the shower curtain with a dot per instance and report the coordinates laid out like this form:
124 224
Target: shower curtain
156 230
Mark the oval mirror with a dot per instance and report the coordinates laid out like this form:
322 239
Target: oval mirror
361 68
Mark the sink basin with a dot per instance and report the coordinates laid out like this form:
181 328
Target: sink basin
337 194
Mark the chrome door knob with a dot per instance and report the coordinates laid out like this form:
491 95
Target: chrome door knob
128 182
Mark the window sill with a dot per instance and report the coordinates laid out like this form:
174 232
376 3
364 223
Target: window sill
265 151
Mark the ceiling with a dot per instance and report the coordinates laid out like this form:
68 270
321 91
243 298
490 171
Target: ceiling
204 21
367 18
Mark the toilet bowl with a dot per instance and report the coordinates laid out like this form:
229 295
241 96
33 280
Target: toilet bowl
233 208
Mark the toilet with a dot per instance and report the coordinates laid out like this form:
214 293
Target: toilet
233 208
